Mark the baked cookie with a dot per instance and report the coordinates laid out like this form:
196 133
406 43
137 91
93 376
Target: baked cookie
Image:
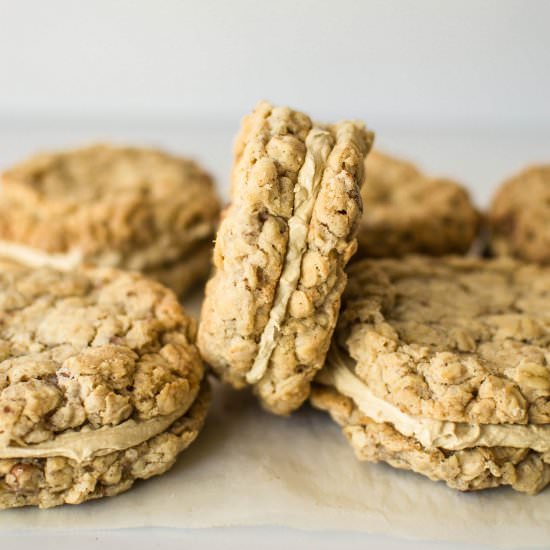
100 383
406 212
442 366
280 253
519 217
135 209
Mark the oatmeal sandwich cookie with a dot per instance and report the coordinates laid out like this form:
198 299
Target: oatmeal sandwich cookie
442 366
100 383
280 253
519 216
135 209
407 212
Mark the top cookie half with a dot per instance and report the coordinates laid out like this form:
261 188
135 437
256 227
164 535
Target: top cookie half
132 208
519 216
89 349
280 253
451 339
407 212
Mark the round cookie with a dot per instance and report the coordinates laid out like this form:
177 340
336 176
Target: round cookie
442 366
100 383
519 217
130 208
280 253
406 212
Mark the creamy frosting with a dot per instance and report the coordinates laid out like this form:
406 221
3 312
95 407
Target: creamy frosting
140 259
88 443
319 144
36 258
431 433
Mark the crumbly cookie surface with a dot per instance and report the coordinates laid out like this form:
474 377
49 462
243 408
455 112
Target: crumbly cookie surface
455 339
519 216
253 243
252 238
472 469
406 212
119 207
53 481
87 349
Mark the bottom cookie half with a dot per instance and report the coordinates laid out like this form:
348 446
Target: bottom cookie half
468 470
48 482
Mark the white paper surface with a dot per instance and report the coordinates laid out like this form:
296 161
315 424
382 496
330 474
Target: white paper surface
250 468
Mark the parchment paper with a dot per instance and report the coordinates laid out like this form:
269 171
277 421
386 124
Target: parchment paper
249 468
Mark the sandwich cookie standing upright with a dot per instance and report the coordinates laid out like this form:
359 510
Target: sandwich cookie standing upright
100 383
130 208
442 366
407 212
272 303
519 217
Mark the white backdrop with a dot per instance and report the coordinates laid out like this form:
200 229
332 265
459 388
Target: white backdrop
429 62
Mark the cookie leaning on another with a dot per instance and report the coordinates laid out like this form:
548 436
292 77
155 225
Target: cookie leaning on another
406 212
280 253
135 209
519 217
100 384
441 366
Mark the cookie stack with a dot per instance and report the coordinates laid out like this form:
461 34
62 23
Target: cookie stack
100 383
434 363
441 366
130 208
272 303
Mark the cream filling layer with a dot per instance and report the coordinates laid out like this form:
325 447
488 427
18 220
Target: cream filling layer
319 144
148 258
34 257
86 444
452 436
